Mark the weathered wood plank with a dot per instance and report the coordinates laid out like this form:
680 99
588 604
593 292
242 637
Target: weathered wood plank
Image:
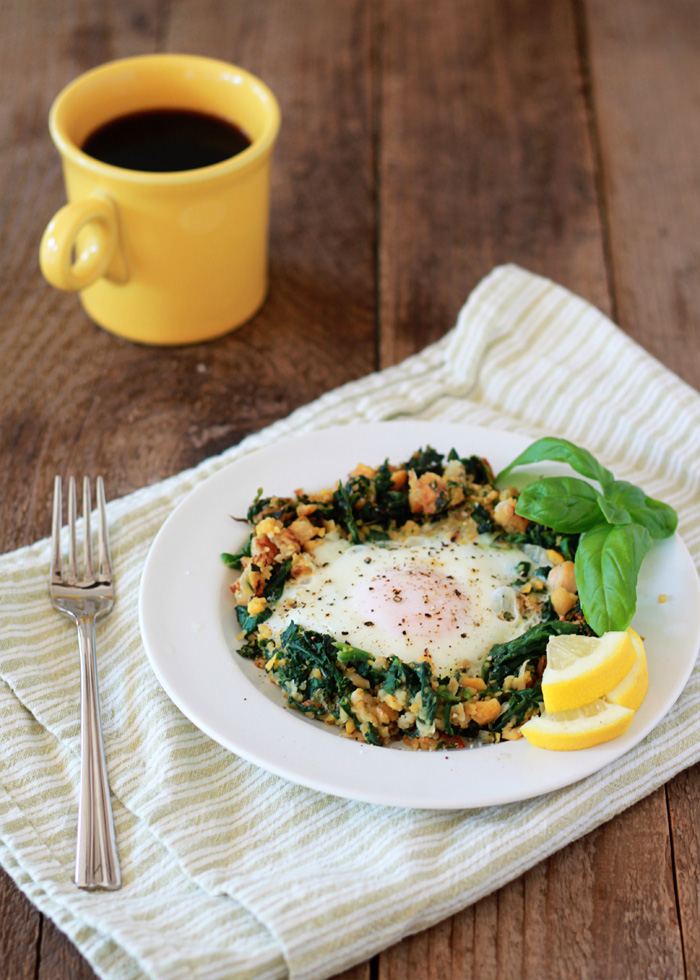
58 957
52 373
684 801
484 157
361 972
603 907
643 62
19 935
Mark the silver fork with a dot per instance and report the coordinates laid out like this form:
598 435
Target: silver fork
83 599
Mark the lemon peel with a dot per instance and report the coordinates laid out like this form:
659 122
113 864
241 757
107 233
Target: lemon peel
581 669
579 728
632 689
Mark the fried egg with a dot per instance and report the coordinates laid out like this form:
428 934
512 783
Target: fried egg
423 598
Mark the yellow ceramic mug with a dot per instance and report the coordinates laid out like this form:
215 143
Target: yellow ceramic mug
163 258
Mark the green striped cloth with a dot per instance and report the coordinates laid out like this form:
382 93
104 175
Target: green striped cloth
231 872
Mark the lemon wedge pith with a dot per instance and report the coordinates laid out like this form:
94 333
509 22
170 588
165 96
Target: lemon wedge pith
581 669
579 728
632 689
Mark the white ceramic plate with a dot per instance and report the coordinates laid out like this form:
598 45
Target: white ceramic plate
189 629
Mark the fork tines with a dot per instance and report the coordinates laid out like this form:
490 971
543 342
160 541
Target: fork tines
104 563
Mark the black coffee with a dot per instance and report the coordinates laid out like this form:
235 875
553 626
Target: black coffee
165 140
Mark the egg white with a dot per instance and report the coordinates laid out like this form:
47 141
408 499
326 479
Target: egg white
426 596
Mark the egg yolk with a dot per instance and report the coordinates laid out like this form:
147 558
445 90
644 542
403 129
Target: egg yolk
419 603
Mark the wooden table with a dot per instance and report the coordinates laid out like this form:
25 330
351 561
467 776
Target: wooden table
423 142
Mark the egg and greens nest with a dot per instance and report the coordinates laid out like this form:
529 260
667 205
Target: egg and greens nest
409 602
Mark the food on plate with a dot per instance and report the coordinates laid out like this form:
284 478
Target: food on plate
617 525
582 668
633 687
591 688
415 601
579 728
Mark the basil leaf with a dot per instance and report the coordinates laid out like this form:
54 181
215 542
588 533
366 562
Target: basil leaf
612 513
607 566
563 503
561 451
658 518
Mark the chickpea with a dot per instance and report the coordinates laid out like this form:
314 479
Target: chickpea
562 601
504 515
563 577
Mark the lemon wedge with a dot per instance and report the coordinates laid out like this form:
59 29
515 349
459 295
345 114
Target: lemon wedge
581 669
632 689
580 728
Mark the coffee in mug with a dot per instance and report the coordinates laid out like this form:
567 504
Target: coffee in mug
166 160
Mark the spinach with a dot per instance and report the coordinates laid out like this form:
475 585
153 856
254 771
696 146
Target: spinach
247 622
395 676
303 650
484 521
429 700
504 659
275 585
272 591
234 561
545 538
518 704
617 524
477 469
426 460
282 508
347 517
349 654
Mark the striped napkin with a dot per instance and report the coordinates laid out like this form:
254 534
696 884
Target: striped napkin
231 872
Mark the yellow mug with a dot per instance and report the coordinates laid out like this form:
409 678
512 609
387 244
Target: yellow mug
163 258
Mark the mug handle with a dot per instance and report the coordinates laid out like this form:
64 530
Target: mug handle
71 265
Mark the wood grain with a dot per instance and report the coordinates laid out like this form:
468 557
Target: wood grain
486 160
643 62
20 932
683 795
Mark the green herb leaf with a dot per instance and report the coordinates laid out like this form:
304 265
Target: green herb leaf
658 518
275 586
348 653
613 513
249 623
507 658
607 563
343 501
561 451
231 561
518 704
563 503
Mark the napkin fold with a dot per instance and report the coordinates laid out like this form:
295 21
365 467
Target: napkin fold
231 872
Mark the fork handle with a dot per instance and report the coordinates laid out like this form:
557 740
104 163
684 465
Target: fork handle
96 860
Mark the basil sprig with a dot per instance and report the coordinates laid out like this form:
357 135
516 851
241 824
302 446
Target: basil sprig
617 525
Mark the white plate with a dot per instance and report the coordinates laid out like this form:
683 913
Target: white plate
189 629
